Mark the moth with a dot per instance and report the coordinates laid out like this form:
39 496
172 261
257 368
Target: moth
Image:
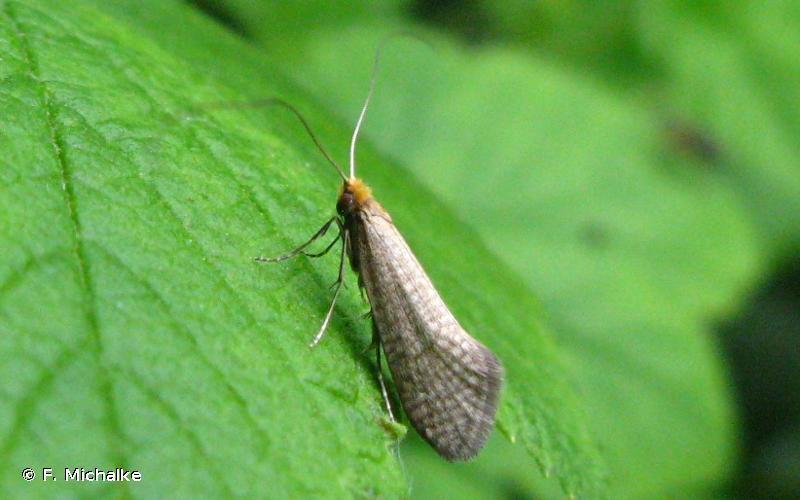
448 383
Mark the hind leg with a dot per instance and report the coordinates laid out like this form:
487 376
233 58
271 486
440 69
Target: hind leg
376 342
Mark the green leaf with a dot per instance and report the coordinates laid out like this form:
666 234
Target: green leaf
502 470
598 37
734 71
282 22
136 330
632 247
727 70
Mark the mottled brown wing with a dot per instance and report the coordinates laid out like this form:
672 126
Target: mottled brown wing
448 382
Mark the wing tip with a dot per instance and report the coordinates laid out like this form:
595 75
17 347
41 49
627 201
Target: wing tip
472 442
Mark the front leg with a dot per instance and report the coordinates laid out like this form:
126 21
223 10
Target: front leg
300 250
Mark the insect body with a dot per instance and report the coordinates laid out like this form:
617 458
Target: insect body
447 381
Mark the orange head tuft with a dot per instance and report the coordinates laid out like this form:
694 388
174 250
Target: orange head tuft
354 194
360 191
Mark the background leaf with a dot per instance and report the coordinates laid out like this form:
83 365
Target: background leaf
733 71
136 330
727 71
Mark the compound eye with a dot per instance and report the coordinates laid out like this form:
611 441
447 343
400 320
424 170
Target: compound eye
345 204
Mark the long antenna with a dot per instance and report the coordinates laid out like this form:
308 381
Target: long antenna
373 79
277 100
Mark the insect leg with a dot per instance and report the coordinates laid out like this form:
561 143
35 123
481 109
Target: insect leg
384 392
321 232
327 248
375 343
338 285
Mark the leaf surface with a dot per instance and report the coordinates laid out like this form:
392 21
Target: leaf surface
136 330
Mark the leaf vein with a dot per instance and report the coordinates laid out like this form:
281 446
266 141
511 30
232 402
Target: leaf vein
185 332
112 422
251 319
194 441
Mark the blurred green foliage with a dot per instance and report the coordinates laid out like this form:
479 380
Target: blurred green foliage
635 164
